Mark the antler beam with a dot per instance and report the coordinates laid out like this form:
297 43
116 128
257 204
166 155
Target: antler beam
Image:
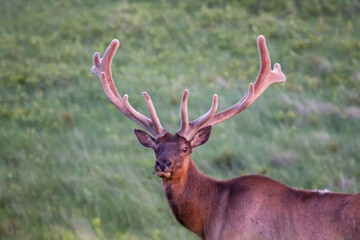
265 77
102 68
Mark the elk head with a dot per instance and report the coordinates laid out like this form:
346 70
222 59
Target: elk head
173 150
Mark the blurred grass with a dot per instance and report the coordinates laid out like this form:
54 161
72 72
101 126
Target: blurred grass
70 167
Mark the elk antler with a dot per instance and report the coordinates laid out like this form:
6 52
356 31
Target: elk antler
265 77
102 68
188 129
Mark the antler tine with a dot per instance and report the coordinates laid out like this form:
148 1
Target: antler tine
183 111
187 130
103 65
124 106
153 115
265 77
198 123
102 68
140 119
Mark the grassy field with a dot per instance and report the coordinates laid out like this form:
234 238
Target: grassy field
70 167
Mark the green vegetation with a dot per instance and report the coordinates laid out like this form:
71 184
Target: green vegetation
70 167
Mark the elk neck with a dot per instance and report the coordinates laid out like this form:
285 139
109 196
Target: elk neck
192 198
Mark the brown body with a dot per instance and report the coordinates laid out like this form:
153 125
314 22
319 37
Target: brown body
249 207
253 207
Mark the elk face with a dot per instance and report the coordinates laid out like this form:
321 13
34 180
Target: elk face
172 152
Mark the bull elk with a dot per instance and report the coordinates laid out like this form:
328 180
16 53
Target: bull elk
247 207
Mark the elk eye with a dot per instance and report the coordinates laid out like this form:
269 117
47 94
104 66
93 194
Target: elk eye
155 150
184 149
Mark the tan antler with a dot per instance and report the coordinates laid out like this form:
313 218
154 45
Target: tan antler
102 68
265 77
188 129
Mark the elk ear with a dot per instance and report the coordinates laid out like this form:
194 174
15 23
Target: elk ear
145 139
201 137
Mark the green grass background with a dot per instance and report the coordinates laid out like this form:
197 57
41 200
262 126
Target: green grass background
70 167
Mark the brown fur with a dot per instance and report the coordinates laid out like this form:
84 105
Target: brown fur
251 207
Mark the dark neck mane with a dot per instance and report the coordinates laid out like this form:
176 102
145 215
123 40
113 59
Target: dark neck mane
190 199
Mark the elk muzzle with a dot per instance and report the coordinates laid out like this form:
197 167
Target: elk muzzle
162 168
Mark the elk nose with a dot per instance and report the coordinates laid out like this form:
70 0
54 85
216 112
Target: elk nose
162 164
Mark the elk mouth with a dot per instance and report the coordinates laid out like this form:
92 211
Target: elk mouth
164 174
